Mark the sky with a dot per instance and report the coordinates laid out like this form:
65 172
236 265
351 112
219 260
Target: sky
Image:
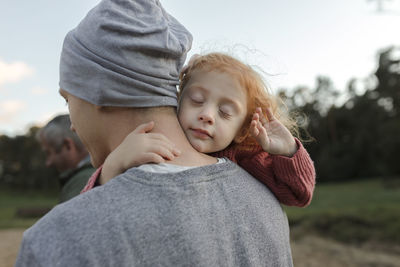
292 41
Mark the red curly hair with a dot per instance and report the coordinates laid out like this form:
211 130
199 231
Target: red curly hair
258 94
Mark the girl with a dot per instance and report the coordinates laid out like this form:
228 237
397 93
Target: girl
219 111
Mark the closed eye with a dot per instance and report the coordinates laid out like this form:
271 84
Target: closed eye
197 101
224 114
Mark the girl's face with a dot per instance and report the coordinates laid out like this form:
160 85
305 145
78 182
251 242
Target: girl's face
212 110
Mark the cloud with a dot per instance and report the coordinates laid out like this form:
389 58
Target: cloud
37 90
9 109
46 117
14 72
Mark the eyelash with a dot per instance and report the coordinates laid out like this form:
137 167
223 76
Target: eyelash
225 115
197 102
222 113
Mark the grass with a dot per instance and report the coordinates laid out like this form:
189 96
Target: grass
11 201
353 212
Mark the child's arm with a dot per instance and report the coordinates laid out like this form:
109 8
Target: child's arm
280 162
139 147
293 170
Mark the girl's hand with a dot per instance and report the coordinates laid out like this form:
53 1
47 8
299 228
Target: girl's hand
139 147
271 134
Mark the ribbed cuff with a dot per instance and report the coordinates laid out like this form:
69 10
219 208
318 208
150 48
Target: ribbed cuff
290 167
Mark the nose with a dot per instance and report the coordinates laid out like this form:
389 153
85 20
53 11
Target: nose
206 116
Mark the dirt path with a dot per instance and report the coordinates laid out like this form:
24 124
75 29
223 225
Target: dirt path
308 251
10 240
314 251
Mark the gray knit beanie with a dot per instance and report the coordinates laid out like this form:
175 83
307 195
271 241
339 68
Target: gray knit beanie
125 53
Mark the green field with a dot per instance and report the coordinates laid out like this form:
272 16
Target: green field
352 212
11 201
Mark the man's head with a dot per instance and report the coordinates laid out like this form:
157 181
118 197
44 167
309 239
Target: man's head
123 55
63 148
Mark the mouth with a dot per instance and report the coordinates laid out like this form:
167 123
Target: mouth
202 134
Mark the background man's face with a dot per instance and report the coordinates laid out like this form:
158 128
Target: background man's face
54 158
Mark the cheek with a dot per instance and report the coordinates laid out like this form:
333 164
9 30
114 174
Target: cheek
232 129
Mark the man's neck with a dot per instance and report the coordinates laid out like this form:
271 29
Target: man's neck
167 124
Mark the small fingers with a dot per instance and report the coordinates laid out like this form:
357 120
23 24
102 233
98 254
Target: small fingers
261 116
166 153
162 140
253 128
261 128
256 117
270 115
152 157
144 128
164 149
259 120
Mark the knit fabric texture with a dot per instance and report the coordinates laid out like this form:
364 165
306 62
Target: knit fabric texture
216 215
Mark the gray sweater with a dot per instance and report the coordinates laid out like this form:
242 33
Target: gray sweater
216 215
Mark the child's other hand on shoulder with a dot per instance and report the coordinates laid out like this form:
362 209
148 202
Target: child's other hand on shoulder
271 134
139 147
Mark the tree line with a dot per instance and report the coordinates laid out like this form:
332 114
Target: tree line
360 136
22 163
354 133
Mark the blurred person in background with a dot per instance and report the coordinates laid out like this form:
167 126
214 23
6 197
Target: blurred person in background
66 153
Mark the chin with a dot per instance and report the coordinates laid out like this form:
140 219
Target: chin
200 148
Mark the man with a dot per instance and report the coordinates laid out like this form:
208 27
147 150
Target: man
118 70
66 153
